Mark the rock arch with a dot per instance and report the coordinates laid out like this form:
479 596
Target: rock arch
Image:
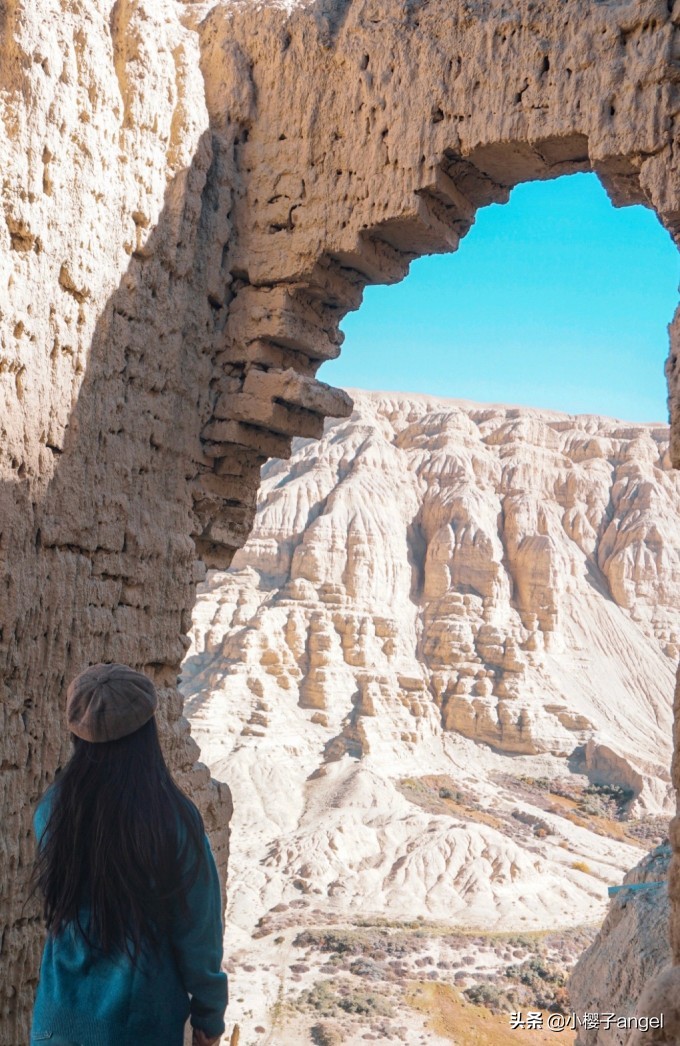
190 207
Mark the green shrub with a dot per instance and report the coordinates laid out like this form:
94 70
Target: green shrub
325 1034
495 999
329 997
367 1004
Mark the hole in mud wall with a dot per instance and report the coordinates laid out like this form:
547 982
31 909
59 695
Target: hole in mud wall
438 678
555 299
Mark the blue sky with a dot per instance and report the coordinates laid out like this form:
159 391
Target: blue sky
555 299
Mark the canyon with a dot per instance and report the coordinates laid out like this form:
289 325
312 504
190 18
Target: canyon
193 196
438 680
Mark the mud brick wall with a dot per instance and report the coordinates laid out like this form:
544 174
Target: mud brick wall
193 195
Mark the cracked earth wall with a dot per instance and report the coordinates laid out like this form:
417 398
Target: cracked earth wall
193 196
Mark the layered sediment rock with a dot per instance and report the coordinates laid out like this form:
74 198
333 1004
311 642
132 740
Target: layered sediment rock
516 571
432 614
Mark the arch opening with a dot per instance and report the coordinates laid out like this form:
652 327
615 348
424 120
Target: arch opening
555 299
446 637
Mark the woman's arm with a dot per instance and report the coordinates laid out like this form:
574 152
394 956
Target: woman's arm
199 1038
197 946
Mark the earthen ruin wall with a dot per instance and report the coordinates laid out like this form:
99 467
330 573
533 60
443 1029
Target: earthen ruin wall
192 198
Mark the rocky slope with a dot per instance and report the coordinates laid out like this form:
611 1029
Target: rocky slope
631 947
438 679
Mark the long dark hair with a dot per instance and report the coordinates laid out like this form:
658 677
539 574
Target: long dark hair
114 844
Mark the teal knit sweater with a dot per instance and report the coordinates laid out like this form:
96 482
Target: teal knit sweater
87 1000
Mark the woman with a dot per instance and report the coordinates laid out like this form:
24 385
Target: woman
131 895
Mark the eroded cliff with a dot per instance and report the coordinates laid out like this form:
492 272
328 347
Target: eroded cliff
439 675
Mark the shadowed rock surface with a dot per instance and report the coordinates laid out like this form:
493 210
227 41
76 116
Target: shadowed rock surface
630 949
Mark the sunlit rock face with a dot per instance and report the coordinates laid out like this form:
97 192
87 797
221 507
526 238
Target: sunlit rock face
502 574
448 622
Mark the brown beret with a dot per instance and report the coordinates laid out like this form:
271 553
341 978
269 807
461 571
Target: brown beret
106 702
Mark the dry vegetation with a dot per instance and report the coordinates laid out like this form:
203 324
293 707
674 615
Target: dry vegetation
372 974
604 809
438 794
600 808
466 1024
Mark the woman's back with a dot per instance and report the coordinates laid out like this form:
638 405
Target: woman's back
132 897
